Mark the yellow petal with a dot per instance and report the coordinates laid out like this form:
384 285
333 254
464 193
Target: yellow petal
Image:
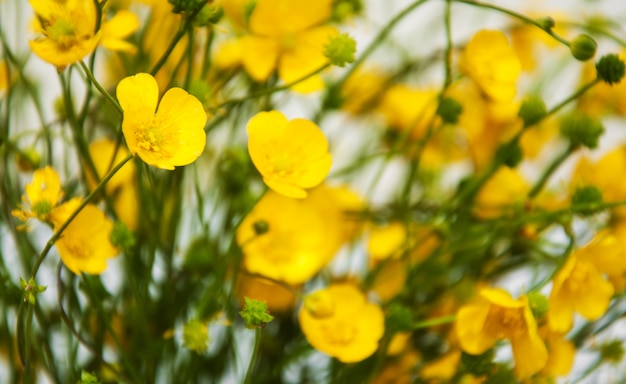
530 354
259 56
277 17
138 94
469 326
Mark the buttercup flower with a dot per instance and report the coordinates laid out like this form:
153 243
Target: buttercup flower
171 136
498 316
84 246
501 193
578 287
340 322
490 61
42 195
290 155
123 24
66 30
302 235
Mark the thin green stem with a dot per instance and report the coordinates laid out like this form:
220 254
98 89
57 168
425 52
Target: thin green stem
255 355
101 89
82 205
433 322
550 170
449 45
274 89
518 16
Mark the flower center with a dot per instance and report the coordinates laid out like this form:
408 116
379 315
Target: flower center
505 323
63 32
339 331
150 137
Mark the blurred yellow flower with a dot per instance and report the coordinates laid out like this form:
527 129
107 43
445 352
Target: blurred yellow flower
406 108
577 287
65 29
287 35
122 187
85 245
490 61
505 191
278 298
607 251
123 24
302 235
349 328
498 316
290 155
41 196
4 75
386 241
171 136
561 353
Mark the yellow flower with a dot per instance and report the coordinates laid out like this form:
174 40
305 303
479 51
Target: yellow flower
578 287
361 91
290 155
302 235
350 331
411 109
608 253
171 136
42 195
287 35
498 316
84 246
66 30
561 356
490 61
123 24
442 368
4 76
278 298
500 195
387 241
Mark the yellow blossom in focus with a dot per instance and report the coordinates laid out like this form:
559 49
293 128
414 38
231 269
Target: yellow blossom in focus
505 191
577 287
498 316
302 236
41 196
290 155
351 331
287 35
489 60
85 245
172 135
66 30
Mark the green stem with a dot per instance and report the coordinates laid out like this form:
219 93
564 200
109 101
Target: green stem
550 170
377 40
433 322
274 89
449 46
179 35
255 355
101 89
518 16
82 205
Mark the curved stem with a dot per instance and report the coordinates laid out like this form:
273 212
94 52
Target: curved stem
101 89
255 355
549 170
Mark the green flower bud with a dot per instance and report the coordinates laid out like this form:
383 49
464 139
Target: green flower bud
532 110
209 14
587 200
182 6
449 110
547 23
28 160
340 49
255 314
31 290
538 304
399 318
581 130
122 237
196 336
261 227
88 378
583 47
612 351
610 69
511 154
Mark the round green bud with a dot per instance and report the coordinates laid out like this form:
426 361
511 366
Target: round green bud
28 160
587 200
340 49
547 23
583 47
196 336
260 227
511 154
449 110
532 110
581 130
209 14
255 313
612 351
182 6
538 304
610 69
